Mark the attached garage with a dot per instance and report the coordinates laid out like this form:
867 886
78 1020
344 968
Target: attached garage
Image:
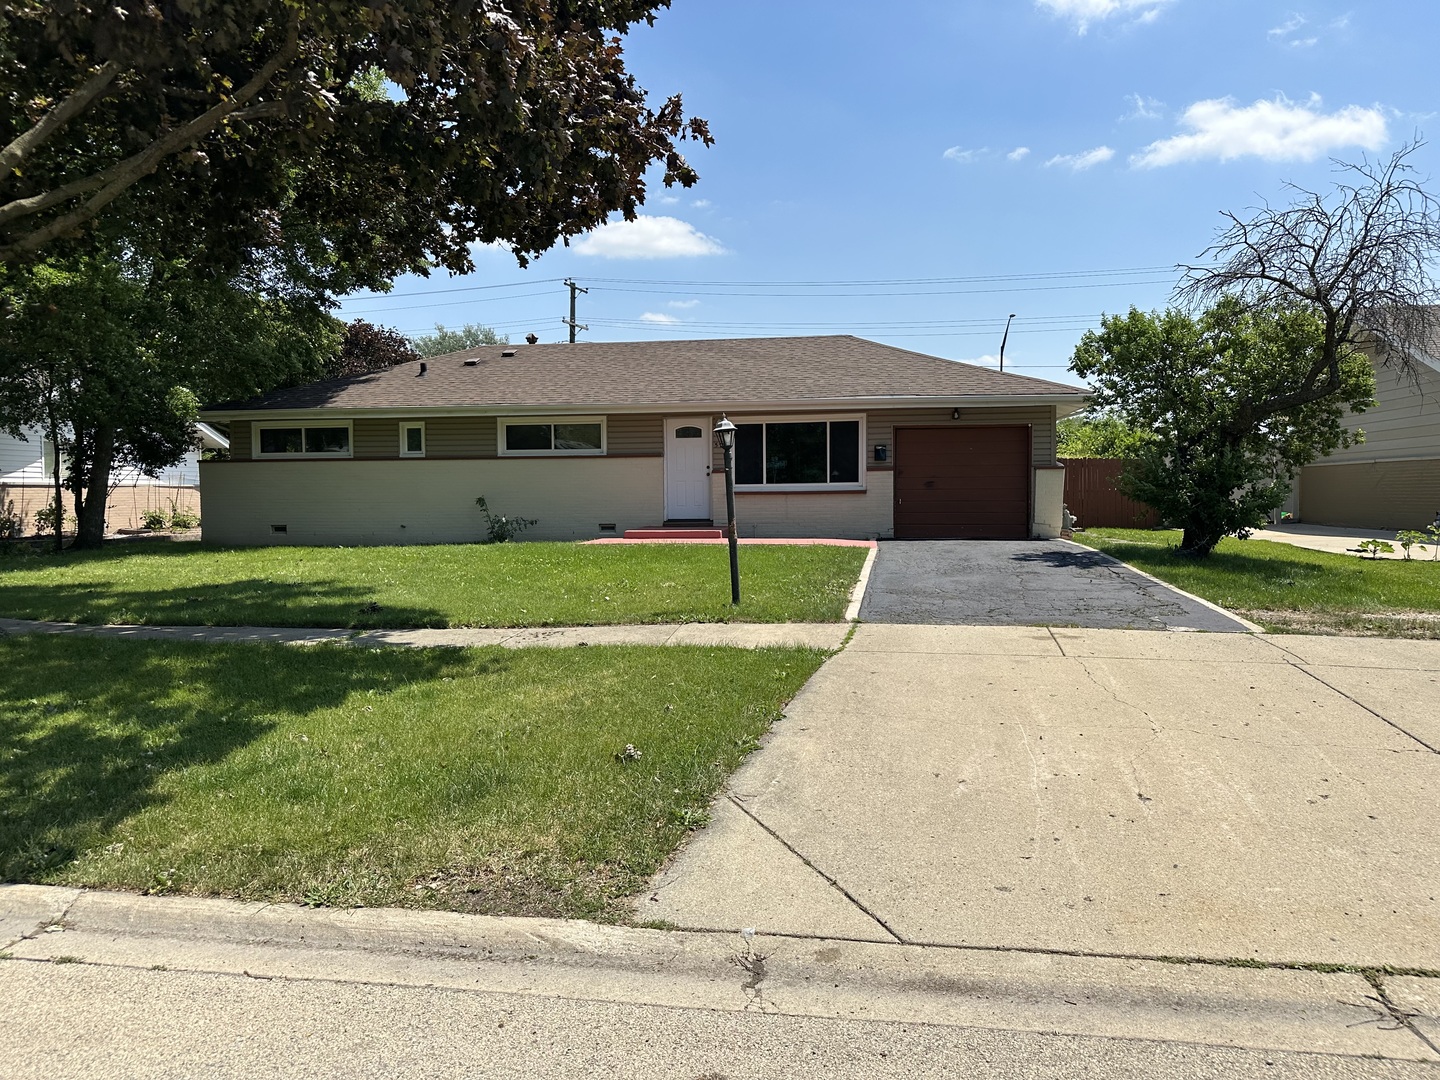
962 483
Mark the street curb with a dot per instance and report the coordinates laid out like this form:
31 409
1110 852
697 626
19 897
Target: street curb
737 972
857 594
1249 626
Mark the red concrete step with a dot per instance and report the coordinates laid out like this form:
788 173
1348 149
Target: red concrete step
659 532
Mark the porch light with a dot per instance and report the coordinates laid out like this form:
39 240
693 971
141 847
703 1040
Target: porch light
725 432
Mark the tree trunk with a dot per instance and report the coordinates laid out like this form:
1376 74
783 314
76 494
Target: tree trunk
90 507
59 487
1198 543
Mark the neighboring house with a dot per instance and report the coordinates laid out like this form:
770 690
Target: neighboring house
1392 479
27 480
838 437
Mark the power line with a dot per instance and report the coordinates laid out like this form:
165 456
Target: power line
447 303
838 283
893 281
928 292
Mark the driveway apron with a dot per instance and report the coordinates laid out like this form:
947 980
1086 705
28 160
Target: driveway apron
1024 583
1215 796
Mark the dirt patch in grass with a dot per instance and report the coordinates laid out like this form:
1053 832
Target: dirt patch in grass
1398 624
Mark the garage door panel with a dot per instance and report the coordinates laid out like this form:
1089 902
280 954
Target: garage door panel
962 482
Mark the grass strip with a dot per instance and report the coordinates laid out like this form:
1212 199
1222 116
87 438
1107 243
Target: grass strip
502 585
485 780
1285 588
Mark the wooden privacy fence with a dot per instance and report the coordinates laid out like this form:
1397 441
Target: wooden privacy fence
1092 497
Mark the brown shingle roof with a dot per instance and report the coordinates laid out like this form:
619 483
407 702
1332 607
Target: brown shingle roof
662 373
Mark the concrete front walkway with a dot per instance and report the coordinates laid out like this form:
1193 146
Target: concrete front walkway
1090 792
738 635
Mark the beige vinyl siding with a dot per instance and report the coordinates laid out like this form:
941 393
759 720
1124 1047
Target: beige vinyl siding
1404 424
425 501
880 428
375 439
1381 495
240 444
635 436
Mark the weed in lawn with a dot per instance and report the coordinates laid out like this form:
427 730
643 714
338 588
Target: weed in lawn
480 779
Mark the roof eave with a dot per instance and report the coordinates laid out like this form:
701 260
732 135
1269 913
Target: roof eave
967 401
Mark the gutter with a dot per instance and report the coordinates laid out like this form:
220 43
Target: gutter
338 412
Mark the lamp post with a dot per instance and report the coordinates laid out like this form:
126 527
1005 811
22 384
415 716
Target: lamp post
1004 339
725 432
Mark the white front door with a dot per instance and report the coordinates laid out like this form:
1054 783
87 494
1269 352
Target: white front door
687 468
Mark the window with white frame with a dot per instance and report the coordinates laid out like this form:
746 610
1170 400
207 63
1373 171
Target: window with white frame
538 436
412 440
800 454
320 439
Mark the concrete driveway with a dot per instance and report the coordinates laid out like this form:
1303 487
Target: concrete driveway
1090 791
1025 583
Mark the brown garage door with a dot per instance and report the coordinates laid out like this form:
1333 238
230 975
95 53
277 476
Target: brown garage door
962 483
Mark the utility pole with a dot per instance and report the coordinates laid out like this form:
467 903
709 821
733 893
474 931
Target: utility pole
570 322
1003 339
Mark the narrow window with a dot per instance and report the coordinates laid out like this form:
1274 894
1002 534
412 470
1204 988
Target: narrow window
412 440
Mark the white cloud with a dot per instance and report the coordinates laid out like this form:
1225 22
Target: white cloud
683 305
1279 130
1144 108
1080 162
659 317
1084 12
964 157
701 204
984 361
1020 153
1288 27
648 238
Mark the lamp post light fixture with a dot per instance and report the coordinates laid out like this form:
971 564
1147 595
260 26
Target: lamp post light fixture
725 432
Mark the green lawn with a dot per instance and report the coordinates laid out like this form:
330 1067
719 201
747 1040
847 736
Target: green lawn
1287 588
480 780
533 584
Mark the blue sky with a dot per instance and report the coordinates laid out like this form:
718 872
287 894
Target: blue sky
958 162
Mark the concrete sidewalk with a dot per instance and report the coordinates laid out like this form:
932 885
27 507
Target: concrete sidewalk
1231 797
1336 540
736 635
99 980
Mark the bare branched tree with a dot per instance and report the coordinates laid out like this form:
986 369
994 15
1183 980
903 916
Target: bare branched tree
1359 256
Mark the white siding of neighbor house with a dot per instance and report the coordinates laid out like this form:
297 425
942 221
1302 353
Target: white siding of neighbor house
1392 479
1404 424
22 462
425 501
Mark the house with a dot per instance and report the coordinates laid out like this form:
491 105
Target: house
837 437
27 481
1391 480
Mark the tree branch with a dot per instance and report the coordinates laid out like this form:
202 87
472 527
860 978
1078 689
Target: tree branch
116 180
57 117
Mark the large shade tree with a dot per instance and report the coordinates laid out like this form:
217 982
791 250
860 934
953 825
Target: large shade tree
1220 450
216 122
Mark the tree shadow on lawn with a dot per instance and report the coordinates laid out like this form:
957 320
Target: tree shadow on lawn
89 728
251 602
